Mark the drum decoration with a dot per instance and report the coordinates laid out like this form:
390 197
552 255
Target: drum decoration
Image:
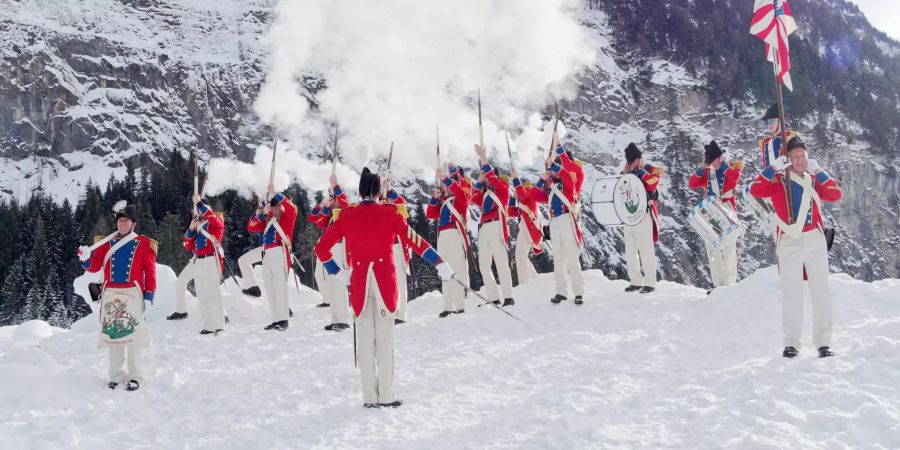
760 208
619 200
716 223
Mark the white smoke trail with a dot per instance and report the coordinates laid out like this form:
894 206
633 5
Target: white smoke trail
393 69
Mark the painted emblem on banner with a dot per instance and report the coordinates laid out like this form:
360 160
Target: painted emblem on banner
117 321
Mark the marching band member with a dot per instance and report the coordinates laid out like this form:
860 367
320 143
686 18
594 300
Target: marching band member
640 239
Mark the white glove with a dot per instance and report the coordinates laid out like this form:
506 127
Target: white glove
444 271
84 253
344 276
781 163
147 304
812 166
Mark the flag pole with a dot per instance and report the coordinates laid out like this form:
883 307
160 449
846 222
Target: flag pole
787 173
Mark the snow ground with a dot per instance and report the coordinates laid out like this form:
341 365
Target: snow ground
673 369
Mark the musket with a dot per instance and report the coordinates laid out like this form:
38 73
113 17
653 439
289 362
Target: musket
390 157
335 151
196 213
437 131
272 168
553 135
512 165
480 126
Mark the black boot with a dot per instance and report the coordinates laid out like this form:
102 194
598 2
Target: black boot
579 300
789 352
445 314
646 290
393 404
323 305
399 321
270 326
370 405
459 311
216 333
290 312
176 316
281 325
496 302
509 302
132 385
112 385
632 288
227 320
336 327
558 298
825 352
252 291
205 332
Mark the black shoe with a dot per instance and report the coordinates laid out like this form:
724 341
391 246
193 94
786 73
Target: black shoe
270 326
281 325
112 385
176 316
496 302
825 352
556 299
227 320
393 404
370 405
399 321
632 288
459 311
336 326
789 352
132 385
205 332
578 300
445 314
290 312
509 302
252 291
323 305
216 333
709 291
646 290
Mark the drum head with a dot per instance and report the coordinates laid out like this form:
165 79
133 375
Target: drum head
630 199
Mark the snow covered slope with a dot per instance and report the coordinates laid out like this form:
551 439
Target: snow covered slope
674 369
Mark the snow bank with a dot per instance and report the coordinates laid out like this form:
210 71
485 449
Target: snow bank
675 369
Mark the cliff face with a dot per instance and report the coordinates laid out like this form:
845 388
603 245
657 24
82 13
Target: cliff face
87 86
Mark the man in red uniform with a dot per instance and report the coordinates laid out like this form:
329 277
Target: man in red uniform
560 188
531 237
128 264
802 243
719 180
333 290
491 195
276 223
640 239
450 207
202 239
770 147
369 231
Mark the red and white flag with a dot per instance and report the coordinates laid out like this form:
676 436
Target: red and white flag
772 22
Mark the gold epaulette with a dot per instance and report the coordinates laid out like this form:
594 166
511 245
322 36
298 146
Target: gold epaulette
154 245
579 162
659 171
98 238
220 215
737 165
335 213
504 179
401 209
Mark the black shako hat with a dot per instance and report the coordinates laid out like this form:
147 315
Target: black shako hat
632 153
712 151
771 113
369 184
129 211
795 142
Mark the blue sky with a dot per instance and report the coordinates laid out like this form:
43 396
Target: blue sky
883 14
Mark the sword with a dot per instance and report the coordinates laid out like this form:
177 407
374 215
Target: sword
486 302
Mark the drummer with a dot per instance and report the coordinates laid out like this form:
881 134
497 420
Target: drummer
640 238
719 180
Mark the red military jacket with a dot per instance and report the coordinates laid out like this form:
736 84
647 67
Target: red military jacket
490 210
650 176
322 217
394 198
271 239
770 184
369 230
196 242
726 179
570 177
439 208
134 262
527 196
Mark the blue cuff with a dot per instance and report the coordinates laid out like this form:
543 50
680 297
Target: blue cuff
700 171
331 267
337 190
560 150
149 296
516 182
261 217
434 201
540 183
448 182
486 168
86 264
326 211
768 173
555 168
453 170
822 177
512 202
432 256
279 197
315 211
479 186
190 234
392 194
202 207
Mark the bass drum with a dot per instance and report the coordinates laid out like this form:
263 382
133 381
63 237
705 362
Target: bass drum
619 200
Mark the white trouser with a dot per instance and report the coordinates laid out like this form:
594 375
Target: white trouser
639 252
186 275
246 262
319 274
209 297
336 291
375 349
491 247
451 247
402 294
793 254
275 279
722 264
117 357
524 269
566 255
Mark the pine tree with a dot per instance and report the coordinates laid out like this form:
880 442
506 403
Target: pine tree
53 308
171 250
12 293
